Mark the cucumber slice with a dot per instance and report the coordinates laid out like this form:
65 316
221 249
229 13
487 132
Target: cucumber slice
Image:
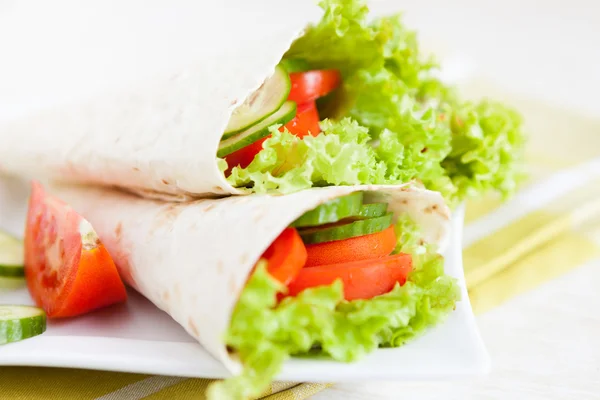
345 209
263 102
373 210
11 256
7 284
256 132
330 233
20 322
332 211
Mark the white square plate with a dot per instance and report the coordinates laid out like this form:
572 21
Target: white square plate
137 337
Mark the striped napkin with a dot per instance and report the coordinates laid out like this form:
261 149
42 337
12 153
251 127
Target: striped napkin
551 226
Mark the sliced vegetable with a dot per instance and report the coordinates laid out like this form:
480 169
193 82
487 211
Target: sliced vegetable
365 247
318 322
11 283
341 231
306 121
332 211
258 131
310 85
67 269
20 322
361 279
260 104
341 155
11 256
244 156
286 256
373 210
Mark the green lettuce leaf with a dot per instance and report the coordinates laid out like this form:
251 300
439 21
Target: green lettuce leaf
345 39
397 106
391 88
319 322
487 149
341 155
413 138
417 126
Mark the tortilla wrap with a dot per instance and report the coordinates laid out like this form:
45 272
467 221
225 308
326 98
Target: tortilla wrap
133 94
193 259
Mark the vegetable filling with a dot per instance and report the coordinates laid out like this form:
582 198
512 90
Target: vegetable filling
342 297
370 110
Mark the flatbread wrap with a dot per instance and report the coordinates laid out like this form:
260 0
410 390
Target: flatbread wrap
149 103
337 271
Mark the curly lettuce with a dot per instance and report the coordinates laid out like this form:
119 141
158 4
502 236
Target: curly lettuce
341 155
345 39
487 149
409 117
413 140
319 322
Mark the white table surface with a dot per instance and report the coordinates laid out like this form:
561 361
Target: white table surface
544 344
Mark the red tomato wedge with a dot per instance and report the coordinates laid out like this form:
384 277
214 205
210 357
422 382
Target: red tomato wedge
310 85
286 256
244 156
306 121
362 279
365 247
68 270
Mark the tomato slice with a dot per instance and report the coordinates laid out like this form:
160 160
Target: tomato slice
244 156
362 279
306 88
310 85
286 256
68 270
306 121
375 245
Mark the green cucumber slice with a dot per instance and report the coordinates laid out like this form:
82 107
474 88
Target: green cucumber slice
332 211
259 105
330 233
256 132
373 210
7 284
20 322
11 256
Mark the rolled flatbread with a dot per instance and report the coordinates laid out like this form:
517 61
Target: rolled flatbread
192 260
197 261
